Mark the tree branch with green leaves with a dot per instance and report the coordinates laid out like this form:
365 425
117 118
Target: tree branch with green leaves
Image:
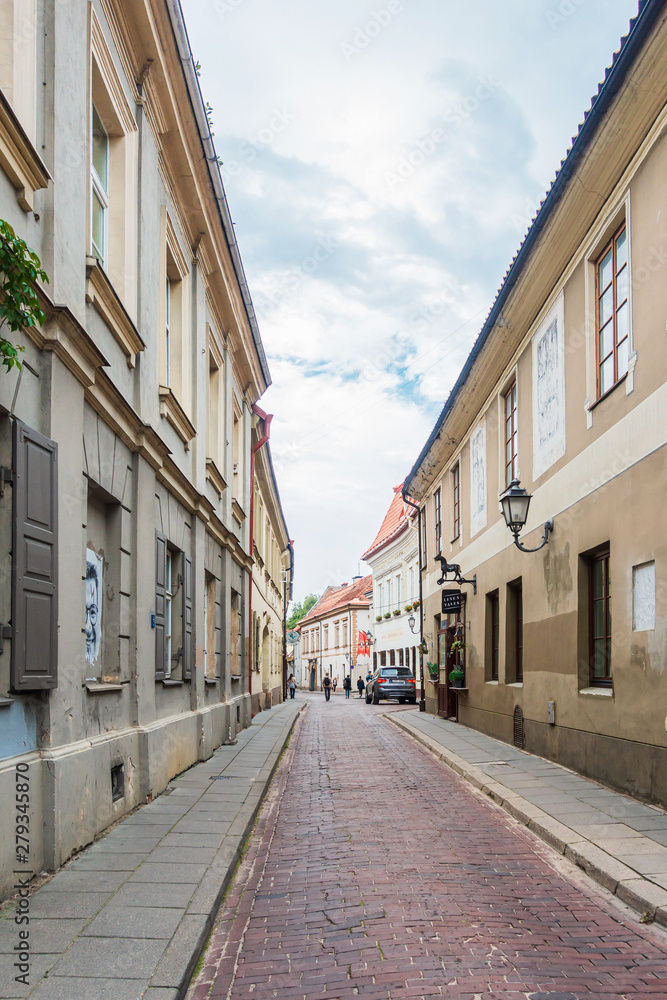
20 268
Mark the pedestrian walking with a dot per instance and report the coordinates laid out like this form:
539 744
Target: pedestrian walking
360 686
335 683
347 685
326 684
291 684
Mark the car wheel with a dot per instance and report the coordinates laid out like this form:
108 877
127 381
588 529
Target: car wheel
368 699
376 698
401 701
412 701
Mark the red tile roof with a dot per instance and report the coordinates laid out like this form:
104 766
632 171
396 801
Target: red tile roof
339 597
396 520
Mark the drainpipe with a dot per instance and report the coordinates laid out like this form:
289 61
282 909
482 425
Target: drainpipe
422 693
267 418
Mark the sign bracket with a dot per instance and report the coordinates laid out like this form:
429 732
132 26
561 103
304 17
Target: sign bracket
454 568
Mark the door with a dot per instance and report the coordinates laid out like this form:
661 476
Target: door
448 699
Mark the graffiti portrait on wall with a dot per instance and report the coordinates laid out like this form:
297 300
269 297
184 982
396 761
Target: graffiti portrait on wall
94 571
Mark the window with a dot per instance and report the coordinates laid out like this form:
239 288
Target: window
236 634
600 620
102 587
514 658
389 596
305 642
383 658
400 657
345 635
392 657
326 637
411 584
424 551
612 312
168 616
174 649
493 633
210 631
380 595
456 500
511 436
398 592
99 176
375 662
336 635
437 508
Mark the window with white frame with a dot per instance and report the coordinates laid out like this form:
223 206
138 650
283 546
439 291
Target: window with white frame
99 181
398 591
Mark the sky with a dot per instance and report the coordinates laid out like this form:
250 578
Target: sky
382 161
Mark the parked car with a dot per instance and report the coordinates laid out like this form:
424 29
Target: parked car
392 682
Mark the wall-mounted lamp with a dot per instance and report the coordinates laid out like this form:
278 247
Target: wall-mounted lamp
515 502
411 623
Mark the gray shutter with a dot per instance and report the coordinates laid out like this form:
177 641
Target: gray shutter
160 602
35 561
188 649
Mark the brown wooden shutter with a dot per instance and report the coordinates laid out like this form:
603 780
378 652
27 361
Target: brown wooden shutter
160 602
188 649
35 561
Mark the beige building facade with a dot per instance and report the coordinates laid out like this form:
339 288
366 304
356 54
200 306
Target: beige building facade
564 649
334 634
272 574
126 437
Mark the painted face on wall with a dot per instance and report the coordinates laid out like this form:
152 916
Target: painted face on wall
94 564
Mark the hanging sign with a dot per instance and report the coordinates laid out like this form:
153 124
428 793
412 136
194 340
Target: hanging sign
451 602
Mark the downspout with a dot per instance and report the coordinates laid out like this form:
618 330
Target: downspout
422 693
267 418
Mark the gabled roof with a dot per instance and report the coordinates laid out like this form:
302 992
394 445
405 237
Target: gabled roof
340 597
615 75
395 522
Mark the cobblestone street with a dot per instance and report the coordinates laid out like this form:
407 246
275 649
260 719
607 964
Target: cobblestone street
375 871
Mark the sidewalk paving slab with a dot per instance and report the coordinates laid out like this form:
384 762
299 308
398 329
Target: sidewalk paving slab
619 842
128 918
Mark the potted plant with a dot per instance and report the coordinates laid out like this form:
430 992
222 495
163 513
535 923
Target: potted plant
458 645
378 618
408 607
433 670
415 605
456 677
397 612
387 614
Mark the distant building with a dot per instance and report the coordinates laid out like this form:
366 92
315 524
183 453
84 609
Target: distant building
271 574
333 634
394 559
564 650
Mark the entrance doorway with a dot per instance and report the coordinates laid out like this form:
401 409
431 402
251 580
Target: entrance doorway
448 699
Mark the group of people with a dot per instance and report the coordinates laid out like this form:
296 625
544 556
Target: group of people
330 683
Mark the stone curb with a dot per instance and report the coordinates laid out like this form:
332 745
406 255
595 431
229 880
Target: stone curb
644 896
174 971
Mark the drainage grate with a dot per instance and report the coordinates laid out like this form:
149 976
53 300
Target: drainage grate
518 728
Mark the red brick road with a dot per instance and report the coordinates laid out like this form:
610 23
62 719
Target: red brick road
376 872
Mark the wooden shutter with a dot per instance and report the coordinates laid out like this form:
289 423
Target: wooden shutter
160 602
188 649
35 561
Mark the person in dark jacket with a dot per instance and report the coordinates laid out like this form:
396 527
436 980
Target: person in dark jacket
360 686
326 684
347 685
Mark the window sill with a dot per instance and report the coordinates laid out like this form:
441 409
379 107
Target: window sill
608 393
605 692
169 683
5 702
215 477
238 511
515 684
101 294
172 411
211 680
19 158
237 677
494 683
95 687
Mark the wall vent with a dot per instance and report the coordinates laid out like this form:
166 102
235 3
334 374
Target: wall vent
518 728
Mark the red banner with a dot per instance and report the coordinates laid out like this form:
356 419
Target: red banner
363 645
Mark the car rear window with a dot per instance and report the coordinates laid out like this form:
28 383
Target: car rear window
396 672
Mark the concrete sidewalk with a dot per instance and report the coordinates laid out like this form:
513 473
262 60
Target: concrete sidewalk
619 842
129 917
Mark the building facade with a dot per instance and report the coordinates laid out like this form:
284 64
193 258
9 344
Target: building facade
394 560
271 574
125 440
334 634
564 649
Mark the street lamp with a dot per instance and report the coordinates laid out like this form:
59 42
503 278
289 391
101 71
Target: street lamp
411 623
515 502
